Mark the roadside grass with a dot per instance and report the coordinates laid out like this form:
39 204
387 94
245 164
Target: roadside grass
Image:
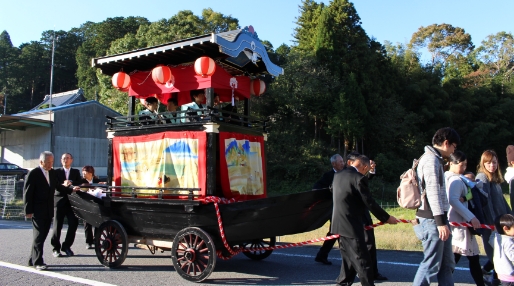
388 237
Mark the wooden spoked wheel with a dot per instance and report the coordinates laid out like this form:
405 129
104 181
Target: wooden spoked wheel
111 244
256 243
193 254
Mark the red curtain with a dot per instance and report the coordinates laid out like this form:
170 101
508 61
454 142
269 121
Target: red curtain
185 80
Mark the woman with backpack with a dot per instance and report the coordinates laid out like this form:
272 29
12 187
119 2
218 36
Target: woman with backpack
463 242
489 173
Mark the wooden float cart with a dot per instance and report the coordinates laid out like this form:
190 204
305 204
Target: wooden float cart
164 173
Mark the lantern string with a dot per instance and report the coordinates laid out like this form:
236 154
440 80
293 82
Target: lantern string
140 83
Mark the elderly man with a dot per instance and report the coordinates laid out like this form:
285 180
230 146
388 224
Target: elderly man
38 201
352 198
324 183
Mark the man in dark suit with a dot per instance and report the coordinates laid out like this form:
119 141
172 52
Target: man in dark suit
62 208
38 201
324 183
369 234
352 199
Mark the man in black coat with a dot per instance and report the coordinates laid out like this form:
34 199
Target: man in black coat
62 208
324 183
38 202
369 234
352 199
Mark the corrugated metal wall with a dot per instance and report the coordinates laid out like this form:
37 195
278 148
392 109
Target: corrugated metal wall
79 130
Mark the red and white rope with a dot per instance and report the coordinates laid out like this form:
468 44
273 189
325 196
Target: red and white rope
237 250
467 224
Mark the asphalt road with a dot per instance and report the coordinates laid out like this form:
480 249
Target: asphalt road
292 266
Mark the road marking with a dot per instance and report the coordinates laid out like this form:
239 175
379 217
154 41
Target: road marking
382 262
53 274
15 226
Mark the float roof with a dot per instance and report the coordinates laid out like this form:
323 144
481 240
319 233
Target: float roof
239 52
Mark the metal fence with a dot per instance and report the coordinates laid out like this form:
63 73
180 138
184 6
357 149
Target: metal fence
11 198
388 205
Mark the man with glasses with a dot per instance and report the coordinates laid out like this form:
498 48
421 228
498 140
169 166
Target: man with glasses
352 198
62 208
431 225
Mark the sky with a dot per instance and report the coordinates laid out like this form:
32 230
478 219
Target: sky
273 20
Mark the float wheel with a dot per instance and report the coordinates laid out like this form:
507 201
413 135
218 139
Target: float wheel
111 244
259 254
193 254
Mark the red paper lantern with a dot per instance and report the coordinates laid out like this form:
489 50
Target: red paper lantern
121 81
205 66
257 87
161 74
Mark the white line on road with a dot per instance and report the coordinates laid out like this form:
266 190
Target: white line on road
54 275
382 262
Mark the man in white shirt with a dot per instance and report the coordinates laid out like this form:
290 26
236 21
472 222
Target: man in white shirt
38 194
62 208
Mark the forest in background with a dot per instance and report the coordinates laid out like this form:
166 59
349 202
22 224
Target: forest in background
341 90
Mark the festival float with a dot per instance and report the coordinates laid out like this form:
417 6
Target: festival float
194 185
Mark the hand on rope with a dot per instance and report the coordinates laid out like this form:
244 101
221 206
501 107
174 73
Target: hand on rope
237 250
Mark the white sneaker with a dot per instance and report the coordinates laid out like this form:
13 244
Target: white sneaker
41 267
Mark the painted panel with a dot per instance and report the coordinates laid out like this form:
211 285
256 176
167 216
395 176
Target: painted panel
166 159
242 168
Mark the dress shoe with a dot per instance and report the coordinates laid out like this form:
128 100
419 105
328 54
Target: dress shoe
380 277
90 246
485 272
30 263
69 252
56 253
41 267
323 260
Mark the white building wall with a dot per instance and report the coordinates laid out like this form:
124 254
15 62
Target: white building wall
23 147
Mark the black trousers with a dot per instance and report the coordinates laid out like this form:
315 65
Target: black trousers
40 230
326 247
59 214
369 235
356 260
88 232
474 268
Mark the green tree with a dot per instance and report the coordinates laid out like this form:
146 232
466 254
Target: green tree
8 62
34 73
443 41
97 39
305 32
496 55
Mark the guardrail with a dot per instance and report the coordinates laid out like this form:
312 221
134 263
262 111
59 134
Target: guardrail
186 118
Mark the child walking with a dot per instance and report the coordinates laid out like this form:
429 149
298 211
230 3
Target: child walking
503 257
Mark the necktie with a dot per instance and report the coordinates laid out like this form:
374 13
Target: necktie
46 176
67 173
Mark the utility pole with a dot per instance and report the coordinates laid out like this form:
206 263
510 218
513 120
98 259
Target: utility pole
52 72
51 87
5 102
